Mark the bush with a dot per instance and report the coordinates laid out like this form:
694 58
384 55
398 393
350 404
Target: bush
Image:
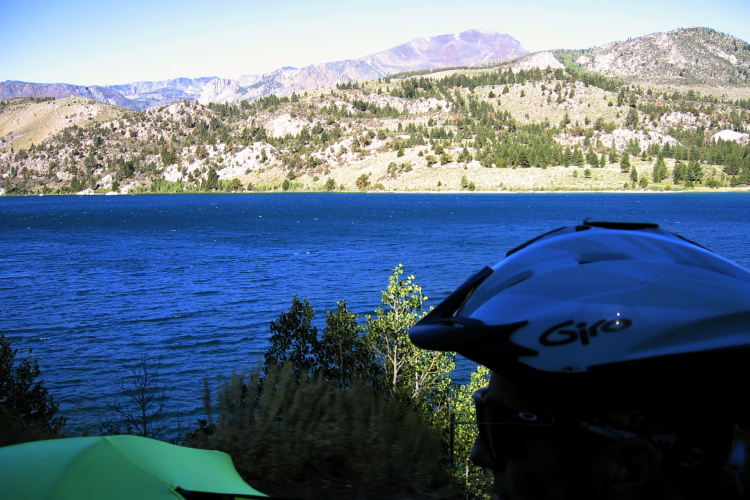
282 431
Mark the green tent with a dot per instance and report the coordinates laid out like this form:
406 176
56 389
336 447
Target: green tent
117 467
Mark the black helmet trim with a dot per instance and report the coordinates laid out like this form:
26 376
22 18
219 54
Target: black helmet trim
448 307
441 330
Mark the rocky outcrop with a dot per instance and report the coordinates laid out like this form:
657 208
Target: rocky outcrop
731 135
537 60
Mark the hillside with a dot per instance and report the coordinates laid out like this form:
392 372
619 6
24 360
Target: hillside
526 124
27 121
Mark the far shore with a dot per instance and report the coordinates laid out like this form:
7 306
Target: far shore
743 189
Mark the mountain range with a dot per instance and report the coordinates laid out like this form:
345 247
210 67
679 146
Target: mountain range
685 56
466 111
463 49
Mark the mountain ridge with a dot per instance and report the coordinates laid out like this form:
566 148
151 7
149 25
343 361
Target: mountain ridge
461 49
681 57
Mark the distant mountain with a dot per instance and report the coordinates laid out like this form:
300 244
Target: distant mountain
151 94
683 56
463 49
106 95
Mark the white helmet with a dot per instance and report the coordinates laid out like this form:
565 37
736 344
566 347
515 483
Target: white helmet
592 300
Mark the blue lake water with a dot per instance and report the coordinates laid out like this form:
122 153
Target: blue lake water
90 282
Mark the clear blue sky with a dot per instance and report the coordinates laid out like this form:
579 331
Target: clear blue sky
88 42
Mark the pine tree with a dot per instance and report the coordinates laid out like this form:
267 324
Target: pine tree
679 174
625 163
613 152
660 169
578 158
592 158
631 121
694 171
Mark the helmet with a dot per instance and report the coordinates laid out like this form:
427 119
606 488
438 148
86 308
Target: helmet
603 304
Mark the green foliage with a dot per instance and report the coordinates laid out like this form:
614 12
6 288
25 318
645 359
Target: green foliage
694 171
465 156
475 481
413 376
339 356
355 397
713 183
363 181
27 410
294 340
345 356
679 174
592 158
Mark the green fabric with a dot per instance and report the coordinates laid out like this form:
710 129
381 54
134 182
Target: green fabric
112 468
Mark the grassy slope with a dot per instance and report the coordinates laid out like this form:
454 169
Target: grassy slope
24 121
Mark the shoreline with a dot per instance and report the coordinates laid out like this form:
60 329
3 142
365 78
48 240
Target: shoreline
744 189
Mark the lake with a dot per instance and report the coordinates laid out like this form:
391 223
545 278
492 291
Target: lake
90 282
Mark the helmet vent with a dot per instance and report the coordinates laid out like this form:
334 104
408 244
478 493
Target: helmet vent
515 279
592 257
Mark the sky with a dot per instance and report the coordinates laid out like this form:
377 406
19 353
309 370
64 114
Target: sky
95 42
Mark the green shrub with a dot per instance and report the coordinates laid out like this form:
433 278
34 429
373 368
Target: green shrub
283 431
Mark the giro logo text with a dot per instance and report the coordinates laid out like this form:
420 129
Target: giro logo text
570 331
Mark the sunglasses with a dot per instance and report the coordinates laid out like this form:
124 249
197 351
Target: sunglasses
498 427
